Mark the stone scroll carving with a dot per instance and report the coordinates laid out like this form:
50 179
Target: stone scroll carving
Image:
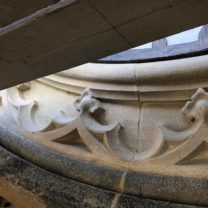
79 131
88 129
84 133
196 111
20 113
190 139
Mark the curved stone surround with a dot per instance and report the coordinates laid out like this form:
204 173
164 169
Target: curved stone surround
156 81
129 128
51 190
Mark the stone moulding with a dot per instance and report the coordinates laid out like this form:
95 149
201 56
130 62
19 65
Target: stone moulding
147 118
157 81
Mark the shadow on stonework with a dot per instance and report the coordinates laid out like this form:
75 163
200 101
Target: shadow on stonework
4 203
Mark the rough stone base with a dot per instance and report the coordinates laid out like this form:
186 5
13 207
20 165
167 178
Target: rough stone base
26 185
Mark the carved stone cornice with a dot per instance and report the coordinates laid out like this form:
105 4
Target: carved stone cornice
154 81
149 118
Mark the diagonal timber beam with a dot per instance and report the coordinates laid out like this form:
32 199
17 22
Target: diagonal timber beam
73 32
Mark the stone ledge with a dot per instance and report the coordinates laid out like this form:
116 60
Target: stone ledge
55 191
170 188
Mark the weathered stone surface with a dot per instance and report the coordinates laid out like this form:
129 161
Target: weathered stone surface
139 202
177 189
86 172
55 191
174 188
